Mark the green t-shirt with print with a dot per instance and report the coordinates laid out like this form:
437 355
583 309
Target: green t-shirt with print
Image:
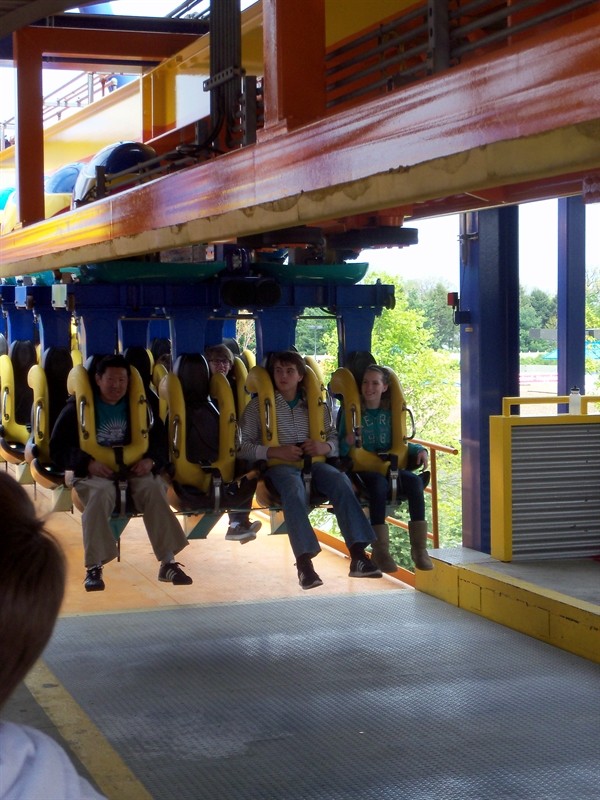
111 422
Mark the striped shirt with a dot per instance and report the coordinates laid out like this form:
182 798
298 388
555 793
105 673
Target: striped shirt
292 428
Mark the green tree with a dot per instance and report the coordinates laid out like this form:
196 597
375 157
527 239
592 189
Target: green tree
537 310
545 307
245 333
311 331
431 300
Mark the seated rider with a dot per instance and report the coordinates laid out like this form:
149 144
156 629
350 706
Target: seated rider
293 434
241 529
376 436
94 481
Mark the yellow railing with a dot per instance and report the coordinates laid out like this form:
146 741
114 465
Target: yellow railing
509 402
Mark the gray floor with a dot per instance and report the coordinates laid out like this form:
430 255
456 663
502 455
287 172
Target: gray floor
385 695
574 577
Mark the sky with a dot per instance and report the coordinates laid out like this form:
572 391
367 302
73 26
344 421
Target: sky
436 256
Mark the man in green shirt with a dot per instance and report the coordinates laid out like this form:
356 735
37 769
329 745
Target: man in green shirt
94 481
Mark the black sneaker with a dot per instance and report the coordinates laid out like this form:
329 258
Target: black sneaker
363 567
307 577
172 573
93 579
243 532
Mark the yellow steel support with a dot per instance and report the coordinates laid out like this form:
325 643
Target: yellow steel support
504 459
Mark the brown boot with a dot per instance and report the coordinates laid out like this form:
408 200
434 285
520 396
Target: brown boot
417 532
380 549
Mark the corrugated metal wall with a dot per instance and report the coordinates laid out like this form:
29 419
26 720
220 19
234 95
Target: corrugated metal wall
556 491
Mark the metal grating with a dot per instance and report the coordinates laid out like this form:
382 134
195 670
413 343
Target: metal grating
556 490
390 696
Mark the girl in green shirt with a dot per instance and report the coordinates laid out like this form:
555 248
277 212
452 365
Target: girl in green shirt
376 437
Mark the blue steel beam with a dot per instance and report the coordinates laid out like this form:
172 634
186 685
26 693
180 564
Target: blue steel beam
571 294
489 289
121 315
20 322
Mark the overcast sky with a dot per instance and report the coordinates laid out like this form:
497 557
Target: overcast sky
436 255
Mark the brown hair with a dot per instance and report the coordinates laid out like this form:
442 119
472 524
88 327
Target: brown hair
32 585
385 377
219 351
287 357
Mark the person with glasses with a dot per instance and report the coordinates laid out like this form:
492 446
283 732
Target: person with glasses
241 529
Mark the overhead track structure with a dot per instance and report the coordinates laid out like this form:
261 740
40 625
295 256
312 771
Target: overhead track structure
507 112
102 22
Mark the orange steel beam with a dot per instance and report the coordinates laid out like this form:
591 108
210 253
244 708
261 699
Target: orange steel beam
88 43
472 129
294 56
29 139
30 44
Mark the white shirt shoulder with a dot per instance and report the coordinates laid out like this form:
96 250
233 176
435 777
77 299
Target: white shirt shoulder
34 767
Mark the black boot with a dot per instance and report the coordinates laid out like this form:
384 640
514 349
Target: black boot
307 577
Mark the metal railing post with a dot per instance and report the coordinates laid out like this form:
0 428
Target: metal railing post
438 35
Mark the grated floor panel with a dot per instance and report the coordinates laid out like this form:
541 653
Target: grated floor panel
388 695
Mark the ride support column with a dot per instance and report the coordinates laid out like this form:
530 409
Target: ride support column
489 343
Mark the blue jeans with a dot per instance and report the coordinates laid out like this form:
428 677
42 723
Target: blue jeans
326 480
243 500
410 486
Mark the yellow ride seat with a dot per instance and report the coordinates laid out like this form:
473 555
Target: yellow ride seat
239 375
17 397
248 358
343 385
142 359
259 383
160 371
76 356
312 362
190 390
79 384
48 381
